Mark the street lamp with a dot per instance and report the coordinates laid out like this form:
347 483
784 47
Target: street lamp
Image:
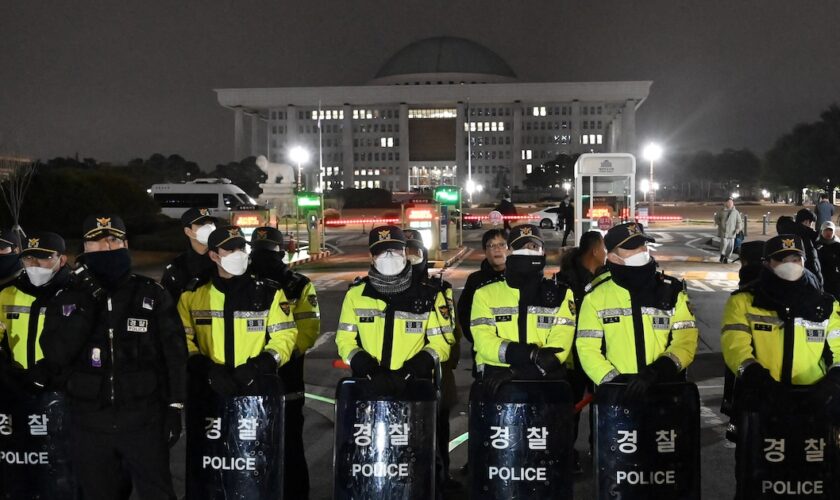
299 155
471 188
644 187
652 152
567 186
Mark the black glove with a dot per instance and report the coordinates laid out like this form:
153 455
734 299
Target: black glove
221 381
519 355
755 386
660 370
13 381
39 375
421 365
545 359
388 383
199 365
827 389
85 282
172 425
364 365
494 381
249 371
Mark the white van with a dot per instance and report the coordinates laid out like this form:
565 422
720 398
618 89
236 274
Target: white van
218 195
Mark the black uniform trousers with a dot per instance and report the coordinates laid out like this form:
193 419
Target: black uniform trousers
103 457
296 480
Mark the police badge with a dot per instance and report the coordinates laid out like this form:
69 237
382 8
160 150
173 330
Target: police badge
313 300
285 307
444 311
573 307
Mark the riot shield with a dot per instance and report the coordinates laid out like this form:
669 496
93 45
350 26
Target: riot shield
521 441
234 445
789 449
384 447
35 448
648 448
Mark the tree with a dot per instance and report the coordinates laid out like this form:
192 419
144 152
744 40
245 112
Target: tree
245 174
552 173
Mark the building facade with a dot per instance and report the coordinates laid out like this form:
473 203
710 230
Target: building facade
440 111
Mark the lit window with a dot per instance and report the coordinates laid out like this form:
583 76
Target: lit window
356 117
584 139
369 115
535 111
542 111
341 114
591 138
600 138
501 126
383 142
529 168
472 126
390 142
494 126
376 172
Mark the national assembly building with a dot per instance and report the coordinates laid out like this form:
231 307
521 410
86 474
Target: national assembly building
439 110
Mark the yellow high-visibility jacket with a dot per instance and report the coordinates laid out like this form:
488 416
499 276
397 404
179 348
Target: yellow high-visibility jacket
394 329
494 323
750 333
607 342
232 327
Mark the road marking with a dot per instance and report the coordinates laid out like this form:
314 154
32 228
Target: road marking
458 441
691 244
316 397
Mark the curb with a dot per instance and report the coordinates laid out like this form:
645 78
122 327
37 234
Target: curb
684 258
311 258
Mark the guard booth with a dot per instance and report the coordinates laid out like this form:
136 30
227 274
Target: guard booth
421 214
605 191
311 210
449 199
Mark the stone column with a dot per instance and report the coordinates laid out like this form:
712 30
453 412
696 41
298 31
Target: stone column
238 133
255 125
516 169
347 164
628 127
460 147
404 162
576 127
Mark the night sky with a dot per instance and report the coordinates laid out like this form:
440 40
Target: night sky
120 80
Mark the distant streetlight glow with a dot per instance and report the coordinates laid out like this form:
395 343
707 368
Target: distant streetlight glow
652 153
567 186
765 193
299 155
736 195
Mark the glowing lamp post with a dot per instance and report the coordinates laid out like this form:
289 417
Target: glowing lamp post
299 155
652 153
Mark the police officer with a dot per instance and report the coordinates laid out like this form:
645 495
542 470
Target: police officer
192 268
635 322
775 330
10 266
23 368
267 263
523 325
238 328
418 256
390 331
124 348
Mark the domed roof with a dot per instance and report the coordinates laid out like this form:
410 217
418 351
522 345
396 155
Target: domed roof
449 55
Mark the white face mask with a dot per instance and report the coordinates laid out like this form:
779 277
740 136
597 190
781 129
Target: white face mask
527 251
789 271
202 234
637 260
415 259
235 263
40 276
390 264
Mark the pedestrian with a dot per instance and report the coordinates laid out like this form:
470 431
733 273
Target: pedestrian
23 368
804 228
10 266
378 331
758 320
729 224
578 268
494 244
418 256
636 324
785 224
122 346
824 210
193 267
568 211
268 265
512 345
507 209
828 251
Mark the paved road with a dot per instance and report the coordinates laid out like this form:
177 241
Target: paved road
709 284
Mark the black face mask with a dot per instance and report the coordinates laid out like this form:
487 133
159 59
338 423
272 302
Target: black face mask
108 266
522 269
267 262
9 264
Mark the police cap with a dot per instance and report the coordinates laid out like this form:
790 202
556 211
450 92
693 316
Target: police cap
628 236
9 239
383 238
98 226
228 237
199 216
779 247
43 244
522 234
266 237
